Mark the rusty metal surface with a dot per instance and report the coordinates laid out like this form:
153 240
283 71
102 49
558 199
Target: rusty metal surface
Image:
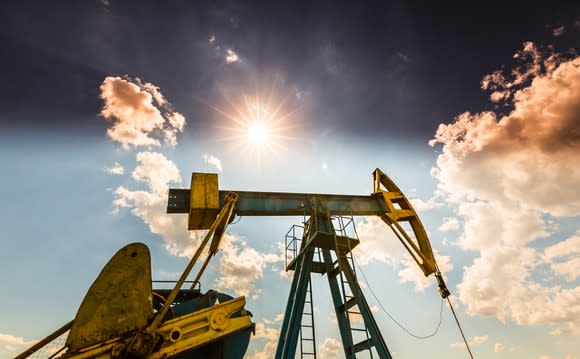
119 301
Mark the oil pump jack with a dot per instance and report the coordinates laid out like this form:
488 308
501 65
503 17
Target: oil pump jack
324 248
123 317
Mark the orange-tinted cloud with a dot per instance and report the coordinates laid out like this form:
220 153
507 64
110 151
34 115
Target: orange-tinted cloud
503 175
139 113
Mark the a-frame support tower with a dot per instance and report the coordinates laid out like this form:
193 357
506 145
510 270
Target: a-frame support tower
326 250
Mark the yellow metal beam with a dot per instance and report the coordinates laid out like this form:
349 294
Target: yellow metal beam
399 209
182 334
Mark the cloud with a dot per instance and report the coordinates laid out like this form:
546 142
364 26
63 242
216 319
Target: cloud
530 61
10 344
136 110
449 224
330 348
240 266
212 160
564 257
559 31
157 173
572 328
404 57
411 273
353 316
116 169
503 176
498 348
211 39
231 56
263 331
378 243
476 340
137 120
271 334
154 91
422 205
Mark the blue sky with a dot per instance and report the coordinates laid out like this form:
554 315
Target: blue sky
497 189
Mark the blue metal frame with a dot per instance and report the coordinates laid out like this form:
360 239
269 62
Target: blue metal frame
320 225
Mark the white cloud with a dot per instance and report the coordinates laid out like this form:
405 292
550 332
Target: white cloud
502 176
231 56
263 331
572 327
354 317
330 348
449 224
422 205
411 273
11 344
157 172
212 160
116 169
498 347
378 243
241 266
129 105
10 339
476 340
271 334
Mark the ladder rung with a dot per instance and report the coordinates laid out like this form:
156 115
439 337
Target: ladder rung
307 326
348 304
309 339
334 272
359 329
365 344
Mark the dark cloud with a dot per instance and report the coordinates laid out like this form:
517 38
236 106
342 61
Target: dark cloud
374 68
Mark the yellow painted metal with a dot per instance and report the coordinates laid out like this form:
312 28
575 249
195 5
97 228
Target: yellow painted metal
118 302
181 334
223 217
201 327
204 200
400 210
116 317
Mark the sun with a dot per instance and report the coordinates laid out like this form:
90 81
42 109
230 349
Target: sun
259 125
258 133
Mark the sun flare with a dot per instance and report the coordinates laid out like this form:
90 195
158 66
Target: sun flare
259 124
258 133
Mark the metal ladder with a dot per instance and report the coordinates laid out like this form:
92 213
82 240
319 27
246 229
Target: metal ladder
307 332
360 334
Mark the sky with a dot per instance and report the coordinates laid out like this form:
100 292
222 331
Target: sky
472 109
